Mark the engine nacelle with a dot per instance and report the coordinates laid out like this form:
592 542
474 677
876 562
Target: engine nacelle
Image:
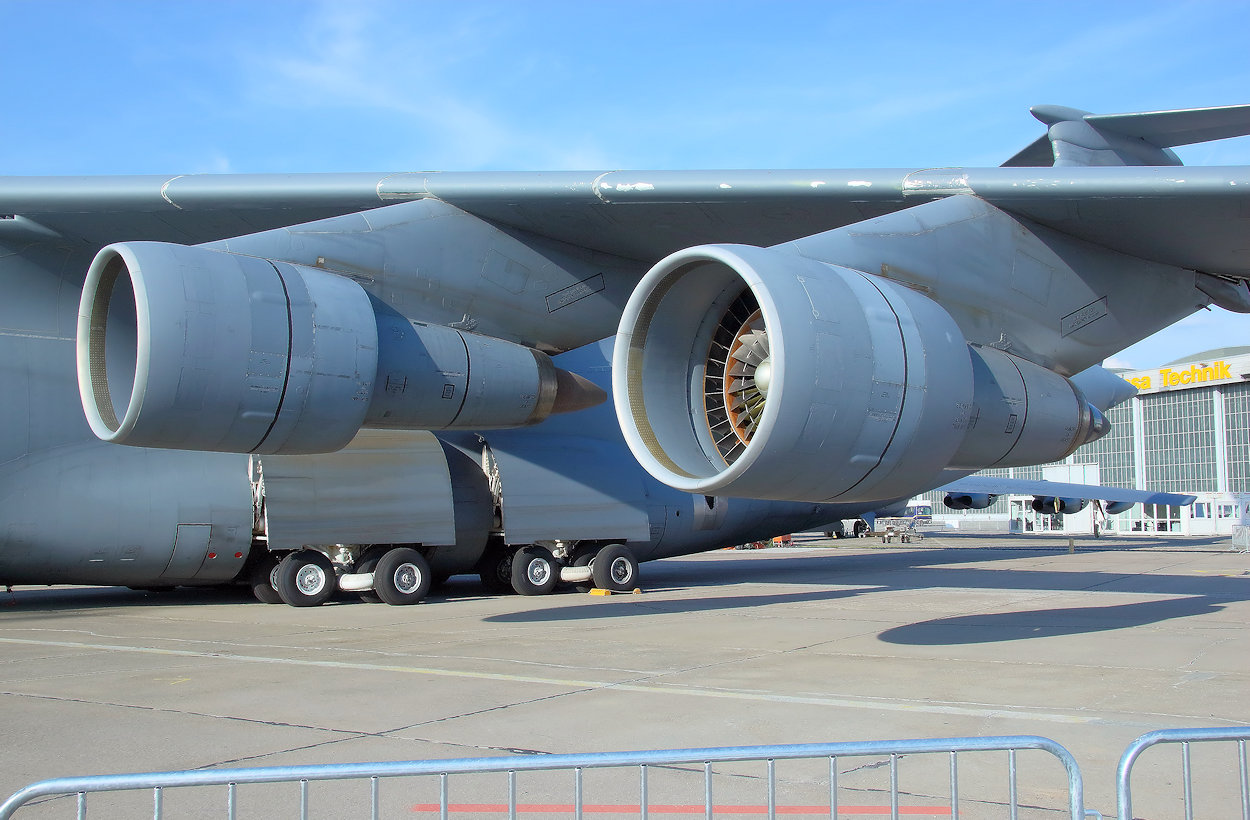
1055 505
1117 507
756 372
196 349
969 501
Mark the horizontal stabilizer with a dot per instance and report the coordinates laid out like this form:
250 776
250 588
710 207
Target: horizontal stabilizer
1079 138
1167 129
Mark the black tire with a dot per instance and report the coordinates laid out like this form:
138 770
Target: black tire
582 558
615 568
306 578
368 563
534 571
402 577
495 570
263 578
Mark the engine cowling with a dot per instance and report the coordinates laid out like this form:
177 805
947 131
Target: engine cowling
969 501
196 349
1055 505
1117 507
757 372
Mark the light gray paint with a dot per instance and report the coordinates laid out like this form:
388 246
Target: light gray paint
384 487
1042 263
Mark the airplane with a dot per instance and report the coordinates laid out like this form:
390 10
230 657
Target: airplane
369 382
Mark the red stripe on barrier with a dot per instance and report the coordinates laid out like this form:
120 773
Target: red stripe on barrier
569 808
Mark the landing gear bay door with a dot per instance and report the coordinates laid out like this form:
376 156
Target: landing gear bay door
385 487
568 488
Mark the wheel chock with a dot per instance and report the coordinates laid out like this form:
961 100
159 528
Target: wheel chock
597 591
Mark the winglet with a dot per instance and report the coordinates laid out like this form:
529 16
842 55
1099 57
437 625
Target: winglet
1076 138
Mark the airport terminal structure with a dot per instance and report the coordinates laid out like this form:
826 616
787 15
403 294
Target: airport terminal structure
1187 430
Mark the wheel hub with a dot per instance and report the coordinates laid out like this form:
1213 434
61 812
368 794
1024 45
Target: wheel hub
310 579
620 570
538 571
407 578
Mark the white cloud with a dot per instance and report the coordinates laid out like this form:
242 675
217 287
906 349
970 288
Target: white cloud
423 86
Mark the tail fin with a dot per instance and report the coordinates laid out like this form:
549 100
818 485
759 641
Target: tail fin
1076 137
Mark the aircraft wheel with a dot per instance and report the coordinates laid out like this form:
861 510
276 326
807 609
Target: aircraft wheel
495 570
402 577
306 578
582 558
263 579
534 571
615 568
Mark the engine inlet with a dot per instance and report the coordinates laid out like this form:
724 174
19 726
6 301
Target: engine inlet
736 376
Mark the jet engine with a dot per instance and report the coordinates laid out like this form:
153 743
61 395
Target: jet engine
969 501
1058 506
756 372
1117 507
196 349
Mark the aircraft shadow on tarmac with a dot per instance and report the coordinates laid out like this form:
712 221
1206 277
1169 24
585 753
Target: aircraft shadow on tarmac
826 577
866 574
995 627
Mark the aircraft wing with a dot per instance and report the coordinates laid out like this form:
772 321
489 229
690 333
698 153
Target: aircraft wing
987 485
838 336
1187 217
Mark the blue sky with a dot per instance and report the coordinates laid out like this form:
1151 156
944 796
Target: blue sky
278 86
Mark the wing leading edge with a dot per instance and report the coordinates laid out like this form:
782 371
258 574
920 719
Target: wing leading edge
1193 218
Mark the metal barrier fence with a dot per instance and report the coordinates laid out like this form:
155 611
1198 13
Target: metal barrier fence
577 765
1185 737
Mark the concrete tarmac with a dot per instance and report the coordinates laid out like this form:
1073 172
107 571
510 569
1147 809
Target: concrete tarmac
824 641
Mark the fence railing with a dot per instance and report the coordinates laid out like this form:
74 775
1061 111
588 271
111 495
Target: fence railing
1183 737
576 765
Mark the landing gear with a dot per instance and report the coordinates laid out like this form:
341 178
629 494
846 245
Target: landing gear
401 576
582 558
368 563
534 571
495 570
263 579
305 578
615 568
